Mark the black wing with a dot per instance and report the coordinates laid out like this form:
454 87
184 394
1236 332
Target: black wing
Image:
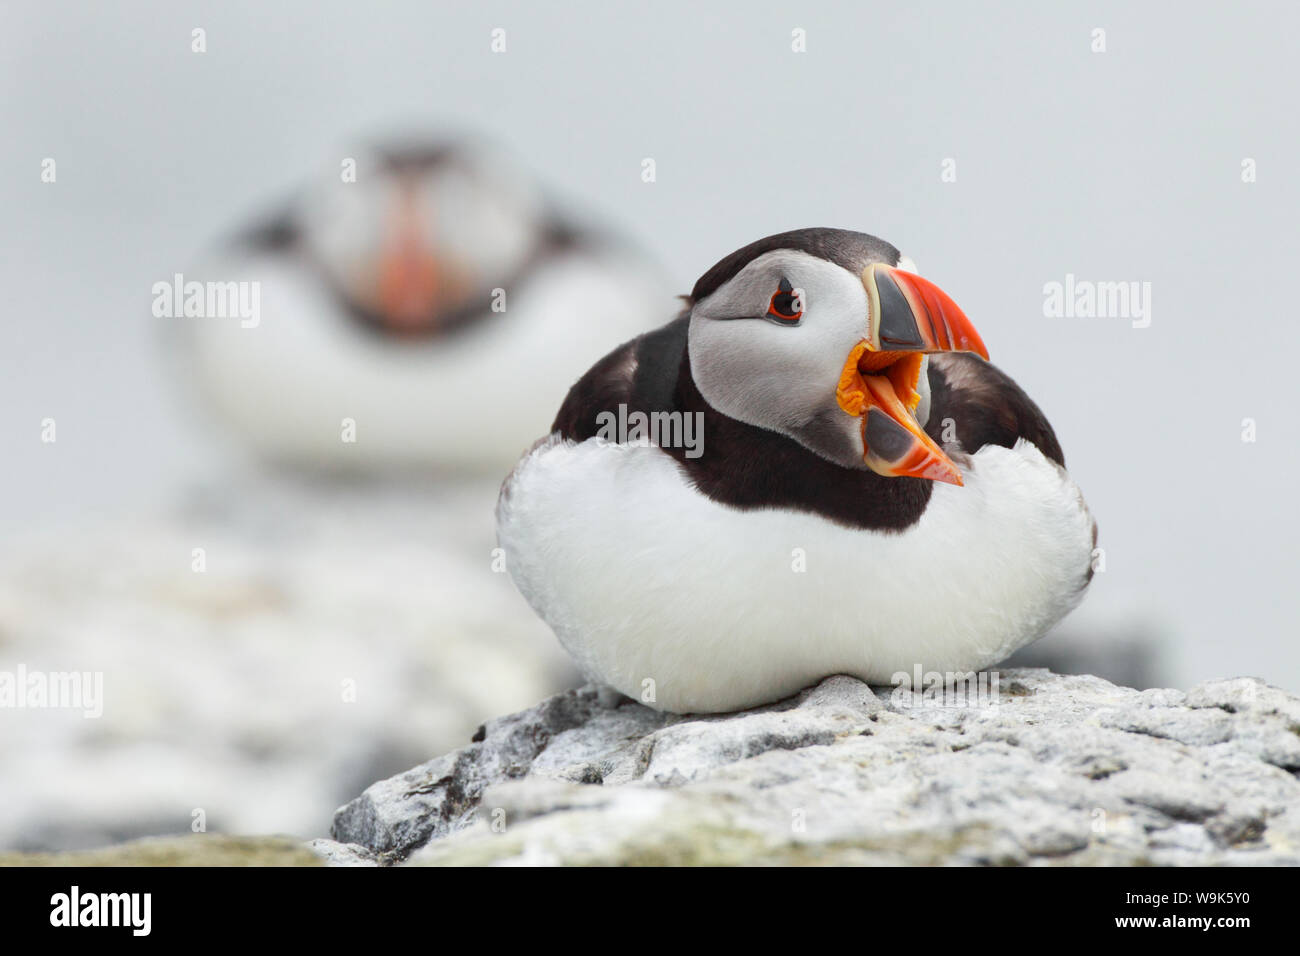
986 406
641 374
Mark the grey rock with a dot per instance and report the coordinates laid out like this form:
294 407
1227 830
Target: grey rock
340 633
1053 769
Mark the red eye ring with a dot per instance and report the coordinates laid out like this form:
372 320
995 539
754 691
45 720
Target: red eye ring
782 305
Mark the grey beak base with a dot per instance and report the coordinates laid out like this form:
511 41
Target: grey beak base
897 329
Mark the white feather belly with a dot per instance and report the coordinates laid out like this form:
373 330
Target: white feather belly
474 401
643 578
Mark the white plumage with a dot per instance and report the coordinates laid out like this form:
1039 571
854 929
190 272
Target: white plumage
421 237
643 578
474 400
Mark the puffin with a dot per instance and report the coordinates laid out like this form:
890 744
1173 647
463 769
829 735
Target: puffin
403 295
840 483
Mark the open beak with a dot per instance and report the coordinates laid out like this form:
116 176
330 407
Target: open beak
908 317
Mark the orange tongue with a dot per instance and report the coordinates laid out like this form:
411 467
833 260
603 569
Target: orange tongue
885 401
902 368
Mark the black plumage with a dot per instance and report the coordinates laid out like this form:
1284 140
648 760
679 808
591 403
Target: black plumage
748 467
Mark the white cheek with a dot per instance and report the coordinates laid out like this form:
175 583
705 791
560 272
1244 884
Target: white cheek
773 376
834 322
726 364
478 226
345 225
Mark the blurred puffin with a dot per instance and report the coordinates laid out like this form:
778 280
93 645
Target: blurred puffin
870 494
436 302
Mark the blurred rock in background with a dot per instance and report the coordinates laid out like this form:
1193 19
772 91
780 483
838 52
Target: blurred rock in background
1129 657
323 636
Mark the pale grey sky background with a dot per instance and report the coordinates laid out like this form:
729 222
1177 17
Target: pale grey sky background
1122 165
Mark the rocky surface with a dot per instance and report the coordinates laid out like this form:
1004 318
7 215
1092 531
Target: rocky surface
1054 769
335 634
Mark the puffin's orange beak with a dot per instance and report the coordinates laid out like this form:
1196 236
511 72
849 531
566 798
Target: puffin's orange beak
409 280
908 317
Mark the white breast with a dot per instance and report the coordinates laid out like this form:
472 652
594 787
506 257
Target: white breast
643 578
475 400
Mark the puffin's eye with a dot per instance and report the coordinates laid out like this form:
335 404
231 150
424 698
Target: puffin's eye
785 306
